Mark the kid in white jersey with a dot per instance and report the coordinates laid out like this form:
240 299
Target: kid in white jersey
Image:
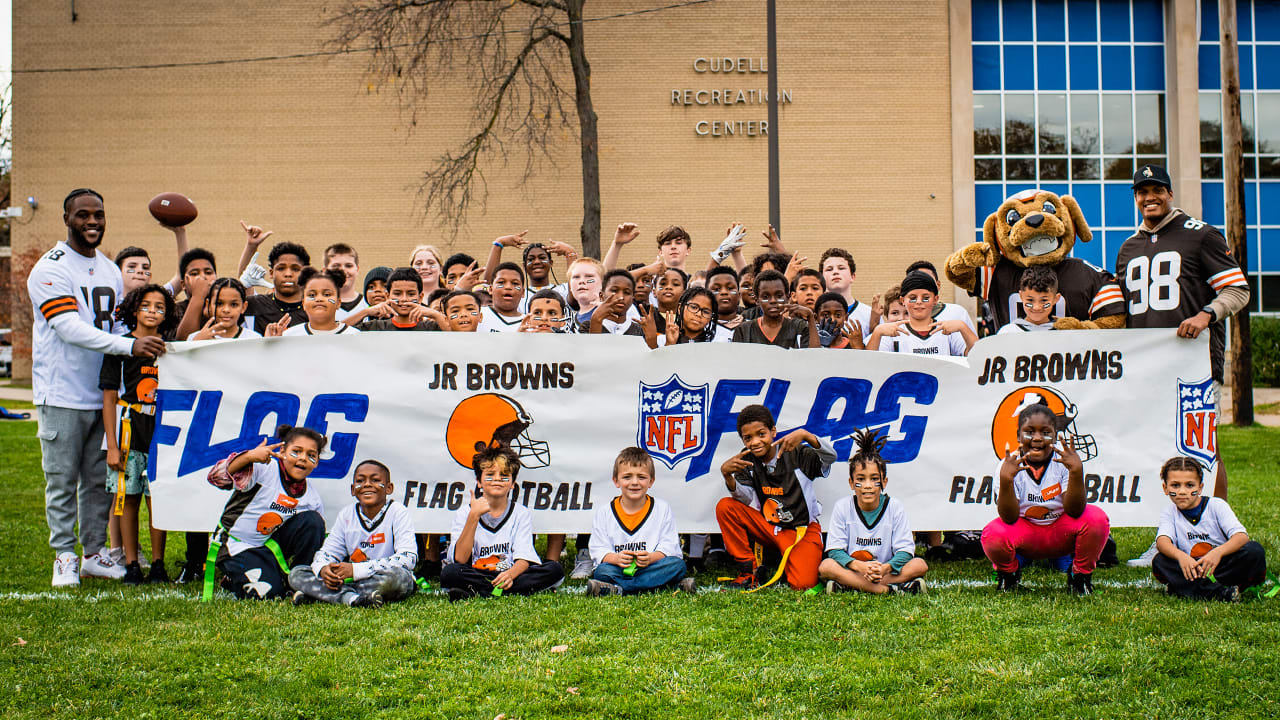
274 519
920 334
369 556
1205 552
320 301
1043 512
869 542
1038 293
491 543
634 543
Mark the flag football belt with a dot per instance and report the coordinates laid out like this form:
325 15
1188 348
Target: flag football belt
782 564
220 535
126 439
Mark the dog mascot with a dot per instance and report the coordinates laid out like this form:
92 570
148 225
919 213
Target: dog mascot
1037 227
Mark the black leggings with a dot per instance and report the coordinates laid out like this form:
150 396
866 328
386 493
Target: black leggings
1243 568
255 572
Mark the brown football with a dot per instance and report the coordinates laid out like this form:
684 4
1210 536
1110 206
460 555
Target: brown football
172 209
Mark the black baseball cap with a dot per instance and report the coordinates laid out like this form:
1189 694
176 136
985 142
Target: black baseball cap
1152 175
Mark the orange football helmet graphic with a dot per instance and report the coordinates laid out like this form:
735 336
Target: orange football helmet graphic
268 522
1200 549
1004 426
863 555
482 420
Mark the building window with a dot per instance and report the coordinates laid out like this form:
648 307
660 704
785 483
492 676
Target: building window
1068 96
1258 23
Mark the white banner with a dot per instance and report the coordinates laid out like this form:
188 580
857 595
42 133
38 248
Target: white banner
419 403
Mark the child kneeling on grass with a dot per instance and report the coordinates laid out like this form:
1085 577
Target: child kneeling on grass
634 543
491 544
869 543
771 499
369 556
1043 512
1204 551
274 518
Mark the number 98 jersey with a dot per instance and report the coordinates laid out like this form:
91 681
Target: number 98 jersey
1169 274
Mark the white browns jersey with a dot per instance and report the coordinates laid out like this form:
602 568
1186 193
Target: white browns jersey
370 545
491 321
890 534
252 514
952 311
935 345
73 298
1217 524
1041 502
562 290
652 530
499 541
1021 325
305 329
860 312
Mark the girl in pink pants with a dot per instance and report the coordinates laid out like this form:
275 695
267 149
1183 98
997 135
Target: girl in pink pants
1043 513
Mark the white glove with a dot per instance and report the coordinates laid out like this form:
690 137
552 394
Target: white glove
255 275
731 242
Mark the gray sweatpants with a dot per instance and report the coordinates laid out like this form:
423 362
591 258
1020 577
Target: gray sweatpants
393 585
74 465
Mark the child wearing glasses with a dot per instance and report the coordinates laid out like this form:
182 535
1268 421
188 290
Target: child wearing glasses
920 334
1038 293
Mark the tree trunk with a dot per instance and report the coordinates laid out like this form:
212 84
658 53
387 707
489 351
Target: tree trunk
587 126
1241 370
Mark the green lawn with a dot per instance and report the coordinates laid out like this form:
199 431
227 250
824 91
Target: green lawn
959 651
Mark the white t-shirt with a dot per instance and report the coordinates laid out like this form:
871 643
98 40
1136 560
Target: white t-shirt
499 541
1217 524
370 545
654 531
343 313
305 329
861 313
1020 325
491 321
951 311
889 534
562 290
937 344
73 298
268 507
1041 502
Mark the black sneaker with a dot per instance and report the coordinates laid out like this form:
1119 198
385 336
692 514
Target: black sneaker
1080 583
912 587
1109 558
689 585
600 588
1229 594
133 574
938 553
299 598
190 574
746 580
1008 582
456 594
835 587
372 600
158 574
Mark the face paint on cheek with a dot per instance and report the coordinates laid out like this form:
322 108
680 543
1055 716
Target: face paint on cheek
331 301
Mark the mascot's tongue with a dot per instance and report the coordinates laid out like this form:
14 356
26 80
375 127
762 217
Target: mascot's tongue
1038 246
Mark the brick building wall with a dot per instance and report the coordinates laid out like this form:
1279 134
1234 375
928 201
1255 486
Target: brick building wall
310 150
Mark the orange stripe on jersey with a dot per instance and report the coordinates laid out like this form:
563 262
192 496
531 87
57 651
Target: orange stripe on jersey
57 306
631 521
987 274
1227 278
1107 295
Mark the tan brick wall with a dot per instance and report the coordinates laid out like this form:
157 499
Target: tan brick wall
306 148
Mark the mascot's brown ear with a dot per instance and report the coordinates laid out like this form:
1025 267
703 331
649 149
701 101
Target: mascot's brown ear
1077 218
989 234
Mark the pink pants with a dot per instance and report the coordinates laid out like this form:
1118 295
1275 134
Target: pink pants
1083 536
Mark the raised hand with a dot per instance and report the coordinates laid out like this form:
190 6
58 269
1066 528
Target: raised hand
255 275
827 333
254 236
736 464
625 233
731 243
471 277
516 240
795 439
852 332
264 452
277 328
773 242
1067 455
946 327
1012 464
479 506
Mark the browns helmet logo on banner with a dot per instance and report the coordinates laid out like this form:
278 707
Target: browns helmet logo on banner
1004 426
482 420
673 420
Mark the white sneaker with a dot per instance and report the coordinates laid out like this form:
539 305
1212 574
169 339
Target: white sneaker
100 565
66 570
582 566
1144 560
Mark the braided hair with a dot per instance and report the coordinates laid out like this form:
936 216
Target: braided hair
1180 463
709 331
211 300
870 443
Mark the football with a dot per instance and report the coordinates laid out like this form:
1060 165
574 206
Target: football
172 209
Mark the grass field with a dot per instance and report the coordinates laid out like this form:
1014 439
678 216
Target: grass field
959 651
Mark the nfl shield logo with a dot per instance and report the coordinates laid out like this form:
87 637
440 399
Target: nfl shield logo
1197 425
673 420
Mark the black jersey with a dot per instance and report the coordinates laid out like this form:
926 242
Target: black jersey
785 492
1087 292
135 378
389 325
1169 274
793 334
267 309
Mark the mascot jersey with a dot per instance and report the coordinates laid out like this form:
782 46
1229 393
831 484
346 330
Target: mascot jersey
370 545
1169 273
880 541
500 541
1088 293
653 529
252 514
782 489
1215 524
1040 499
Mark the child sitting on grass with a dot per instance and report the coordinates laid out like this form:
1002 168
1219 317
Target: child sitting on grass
772 501
869 542
1043 512
634 543
274 518
1204 551
369 556
491 544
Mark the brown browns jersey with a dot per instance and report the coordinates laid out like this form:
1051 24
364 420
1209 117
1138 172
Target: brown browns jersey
1169 274
1087 292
